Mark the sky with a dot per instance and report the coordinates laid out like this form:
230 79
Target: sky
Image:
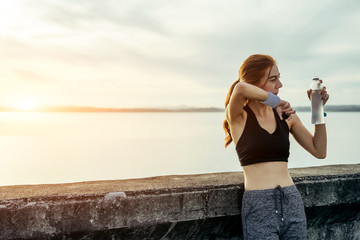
166 53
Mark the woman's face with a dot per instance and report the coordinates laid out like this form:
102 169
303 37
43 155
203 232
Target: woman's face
271 81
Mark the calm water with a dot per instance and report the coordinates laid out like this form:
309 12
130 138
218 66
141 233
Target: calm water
37 148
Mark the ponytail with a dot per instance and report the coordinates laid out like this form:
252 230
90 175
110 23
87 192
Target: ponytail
226 127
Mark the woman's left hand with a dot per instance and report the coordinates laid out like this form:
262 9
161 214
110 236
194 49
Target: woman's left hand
324 95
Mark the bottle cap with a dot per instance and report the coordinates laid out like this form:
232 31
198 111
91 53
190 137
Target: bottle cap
315 84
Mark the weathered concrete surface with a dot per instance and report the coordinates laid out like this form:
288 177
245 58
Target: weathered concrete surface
203 206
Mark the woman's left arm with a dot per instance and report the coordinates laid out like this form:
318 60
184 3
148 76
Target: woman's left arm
315 144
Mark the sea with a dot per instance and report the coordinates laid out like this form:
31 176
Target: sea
48 148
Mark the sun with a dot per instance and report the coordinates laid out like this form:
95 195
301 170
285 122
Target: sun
26 105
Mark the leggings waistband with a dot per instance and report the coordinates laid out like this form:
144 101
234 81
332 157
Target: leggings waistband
287 190
279 193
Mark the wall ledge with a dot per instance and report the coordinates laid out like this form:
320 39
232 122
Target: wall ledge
201 206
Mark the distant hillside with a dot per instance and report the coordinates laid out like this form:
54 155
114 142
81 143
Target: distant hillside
333 108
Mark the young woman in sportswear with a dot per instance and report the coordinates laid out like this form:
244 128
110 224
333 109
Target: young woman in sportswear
259 123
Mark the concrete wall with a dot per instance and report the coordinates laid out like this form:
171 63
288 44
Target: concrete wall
172 207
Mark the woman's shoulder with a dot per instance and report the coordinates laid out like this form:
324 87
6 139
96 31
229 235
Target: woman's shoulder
293 121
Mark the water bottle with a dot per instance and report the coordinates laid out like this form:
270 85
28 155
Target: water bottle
317 105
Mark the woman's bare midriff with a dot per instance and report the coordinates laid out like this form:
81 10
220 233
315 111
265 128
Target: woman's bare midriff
267 175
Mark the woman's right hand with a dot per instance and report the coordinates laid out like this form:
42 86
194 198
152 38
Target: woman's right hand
284 107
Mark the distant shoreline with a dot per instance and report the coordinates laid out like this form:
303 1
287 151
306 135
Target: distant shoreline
331 108
99 109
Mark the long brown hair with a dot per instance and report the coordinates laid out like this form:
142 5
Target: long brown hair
251 71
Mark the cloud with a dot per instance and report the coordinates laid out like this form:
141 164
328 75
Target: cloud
142 50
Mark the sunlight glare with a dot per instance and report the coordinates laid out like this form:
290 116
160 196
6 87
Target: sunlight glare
26 105
10 16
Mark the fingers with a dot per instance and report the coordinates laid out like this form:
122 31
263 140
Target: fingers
287 115
322 89
324 95
286 105
309 93
285 110
290 113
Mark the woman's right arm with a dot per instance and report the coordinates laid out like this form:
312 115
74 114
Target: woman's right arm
242 92
245 91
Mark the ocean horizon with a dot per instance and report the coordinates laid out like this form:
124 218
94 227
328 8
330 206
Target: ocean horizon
330 108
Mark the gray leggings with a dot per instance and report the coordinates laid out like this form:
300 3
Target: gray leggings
273 214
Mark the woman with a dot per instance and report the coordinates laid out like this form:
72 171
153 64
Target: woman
259 122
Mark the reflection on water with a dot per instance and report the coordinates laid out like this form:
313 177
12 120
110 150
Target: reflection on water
68 147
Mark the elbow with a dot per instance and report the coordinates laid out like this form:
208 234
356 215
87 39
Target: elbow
240 88
320 155
320 151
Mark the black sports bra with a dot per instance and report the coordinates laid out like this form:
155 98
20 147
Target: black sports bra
258 145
